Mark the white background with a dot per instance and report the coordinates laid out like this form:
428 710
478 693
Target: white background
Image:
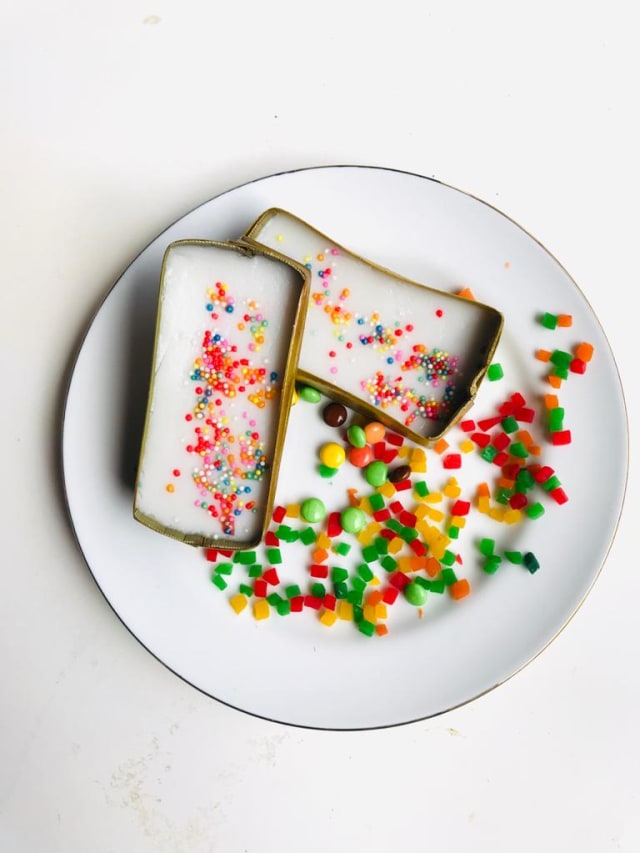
117 119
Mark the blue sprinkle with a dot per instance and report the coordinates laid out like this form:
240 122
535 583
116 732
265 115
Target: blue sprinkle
229 309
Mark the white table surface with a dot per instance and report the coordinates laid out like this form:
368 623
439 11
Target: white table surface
117 119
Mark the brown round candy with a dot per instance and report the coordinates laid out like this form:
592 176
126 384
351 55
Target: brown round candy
402 472
334 414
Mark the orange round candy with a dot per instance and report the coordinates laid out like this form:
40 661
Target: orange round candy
360 457
374 432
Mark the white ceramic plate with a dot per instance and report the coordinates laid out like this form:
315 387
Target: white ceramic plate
293 669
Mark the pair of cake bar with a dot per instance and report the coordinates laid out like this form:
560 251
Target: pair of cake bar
238 323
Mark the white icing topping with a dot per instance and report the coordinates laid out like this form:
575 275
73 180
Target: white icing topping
223 339
396 346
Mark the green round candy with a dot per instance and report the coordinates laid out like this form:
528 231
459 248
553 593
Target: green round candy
376 473
415 594
326 472
311 395
352 519
313 510
356 436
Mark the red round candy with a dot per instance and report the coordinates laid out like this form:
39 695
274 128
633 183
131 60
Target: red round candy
360 457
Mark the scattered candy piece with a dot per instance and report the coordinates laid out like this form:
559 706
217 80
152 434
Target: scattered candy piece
309 394
415 593
313 510
356 436
332 455
334 414
353 520
374 432
495 372
376 473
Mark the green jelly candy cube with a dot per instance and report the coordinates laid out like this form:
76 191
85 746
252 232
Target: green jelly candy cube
535 510
448 576
489 453
340 589
492 564
388 563
245 558
514 557
366 627
307 536
487 547
365 572
495 372
381 545
376 501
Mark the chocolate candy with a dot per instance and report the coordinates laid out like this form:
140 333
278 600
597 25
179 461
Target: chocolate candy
334 414
402 472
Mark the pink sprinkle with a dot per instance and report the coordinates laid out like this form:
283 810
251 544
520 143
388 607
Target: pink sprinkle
252 423
333 370
335 252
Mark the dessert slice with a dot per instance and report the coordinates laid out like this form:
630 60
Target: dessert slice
393 349
227 340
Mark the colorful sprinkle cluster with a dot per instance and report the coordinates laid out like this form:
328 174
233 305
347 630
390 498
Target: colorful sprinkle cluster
352 330
395 539
225 461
